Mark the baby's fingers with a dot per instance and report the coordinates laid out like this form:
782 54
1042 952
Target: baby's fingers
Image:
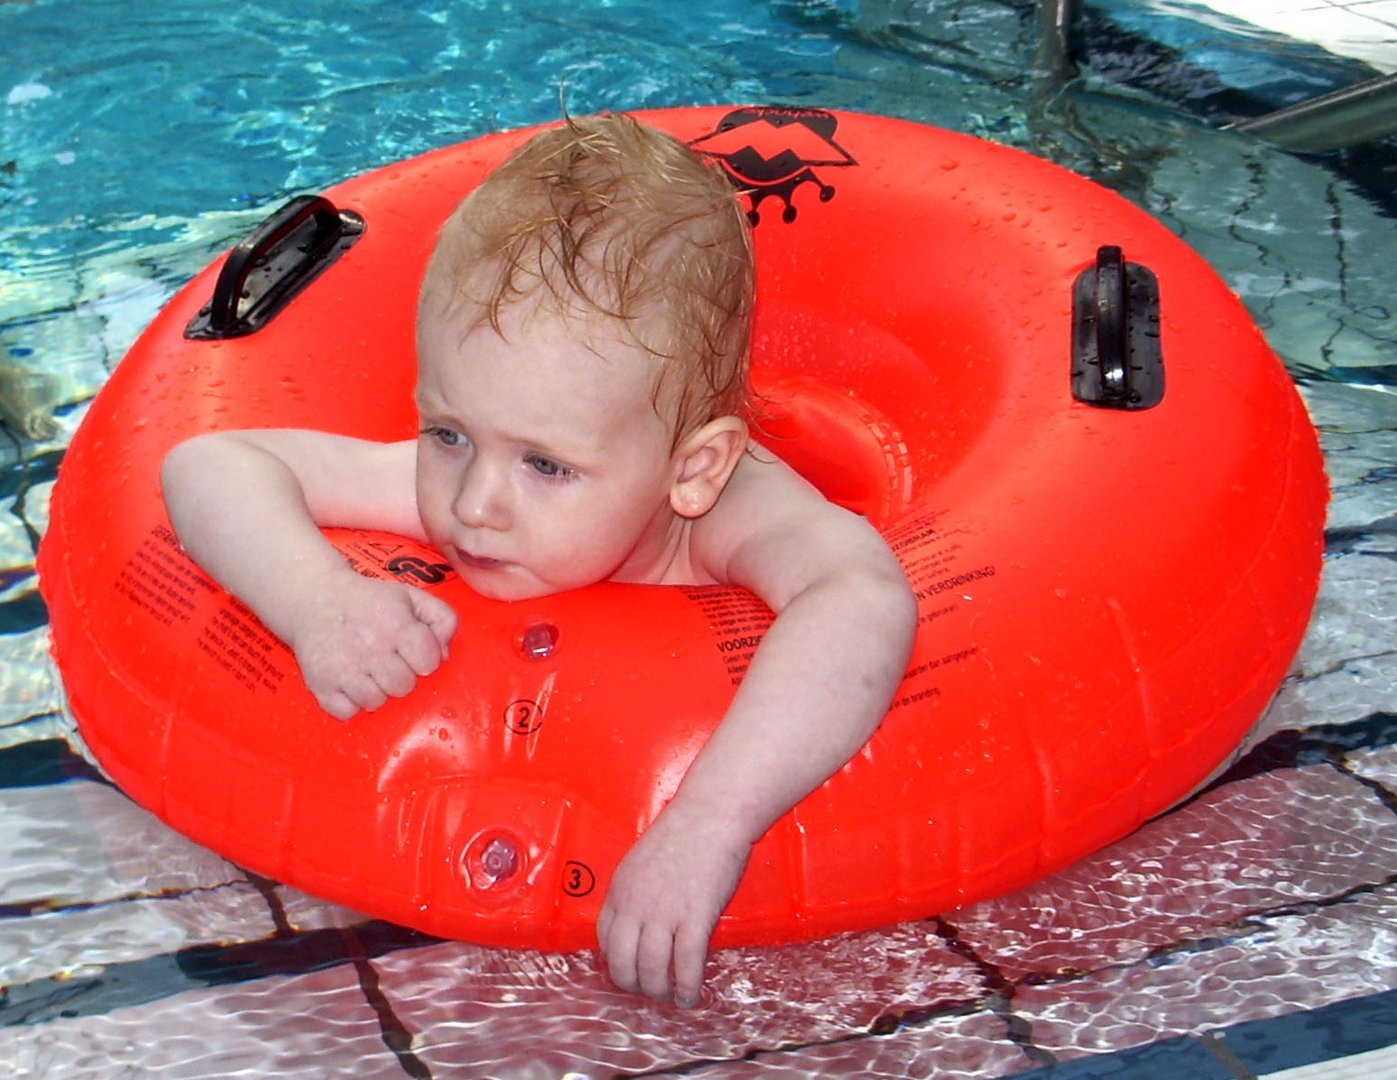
337 704
363 690
420 650
653 960
618 939
690 952
437 615
393 675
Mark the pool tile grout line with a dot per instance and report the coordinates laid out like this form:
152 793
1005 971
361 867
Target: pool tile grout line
1226 1058
998 1001
396 1036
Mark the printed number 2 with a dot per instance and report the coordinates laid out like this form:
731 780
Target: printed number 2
523 716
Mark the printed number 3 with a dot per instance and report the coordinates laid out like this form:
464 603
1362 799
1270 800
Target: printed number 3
578 879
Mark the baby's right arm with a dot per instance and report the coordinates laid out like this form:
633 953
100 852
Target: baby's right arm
248 506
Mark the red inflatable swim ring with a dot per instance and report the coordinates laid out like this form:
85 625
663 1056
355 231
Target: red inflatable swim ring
1101 481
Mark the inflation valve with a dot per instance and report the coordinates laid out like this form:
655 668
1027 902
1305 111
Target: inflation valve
493 863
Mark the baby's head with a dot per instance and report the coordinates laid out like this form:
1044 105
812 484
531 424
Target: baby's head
621 229
582 342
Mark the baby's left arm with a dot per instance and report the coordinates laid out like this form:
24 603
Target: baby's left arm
816 690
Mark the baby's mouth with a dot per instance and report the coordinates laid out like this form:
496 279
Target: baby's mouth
479 562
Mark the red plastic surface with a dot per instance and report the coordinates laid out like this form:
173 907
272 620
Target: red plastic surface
1108 599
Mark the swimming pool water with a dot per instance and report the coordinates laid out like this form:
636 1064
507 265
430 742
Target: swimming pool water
138 141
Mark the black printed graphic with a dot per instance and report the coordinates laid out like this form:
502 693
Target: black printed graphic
737 620
769 152
429 573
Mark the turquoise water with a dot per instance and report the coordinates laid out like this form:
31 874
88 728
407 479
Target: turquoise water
136 142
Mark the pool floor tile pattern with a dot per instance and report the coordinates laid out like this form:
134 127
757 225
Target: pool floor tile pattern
1266 896
1251 933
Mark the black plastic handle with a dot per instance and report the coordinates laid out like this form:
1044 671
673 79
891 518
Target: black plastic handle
273 264
1110 322
1117 362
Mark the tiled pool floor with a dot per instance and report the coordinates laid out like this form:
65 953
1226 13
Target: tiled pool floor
1250 933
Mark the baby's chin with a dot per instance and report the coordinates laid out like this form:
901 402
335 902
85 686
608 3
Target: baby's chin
505 582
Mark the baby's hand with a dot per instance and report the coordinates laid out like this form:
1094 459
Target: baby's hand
365 640
663 903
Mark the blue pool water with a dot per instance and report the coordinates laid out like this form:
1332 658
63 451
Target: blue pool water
136 142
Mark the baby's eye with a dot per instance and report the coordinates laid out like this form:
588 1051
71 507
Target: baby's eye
548 468
444 435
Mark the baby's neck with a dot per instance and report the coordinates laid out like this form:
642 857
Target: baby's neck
667 558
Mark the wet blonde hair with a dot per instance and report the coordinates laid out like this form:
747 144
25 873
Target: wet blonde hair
605 215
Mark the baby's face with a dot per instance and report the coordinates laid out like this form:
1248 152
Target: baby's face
541 464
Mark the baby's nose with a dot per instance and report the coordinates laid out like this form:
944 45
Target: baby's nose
483 498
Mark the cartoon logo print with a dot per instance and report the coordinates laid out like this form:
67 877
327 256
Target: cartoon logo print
769 152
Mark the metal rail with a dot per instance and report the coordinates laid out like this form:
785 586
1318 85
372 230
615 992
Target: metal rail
1056 20
1346 117
1355 114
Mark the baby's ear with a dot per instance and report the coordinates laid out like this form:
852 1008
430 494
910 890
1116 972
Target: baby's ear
703 463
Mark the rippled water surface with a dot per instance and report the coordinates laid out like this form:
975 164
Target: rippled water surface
137 141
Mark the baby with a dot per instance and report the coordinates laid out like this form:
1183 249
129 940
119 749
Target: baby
582 341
